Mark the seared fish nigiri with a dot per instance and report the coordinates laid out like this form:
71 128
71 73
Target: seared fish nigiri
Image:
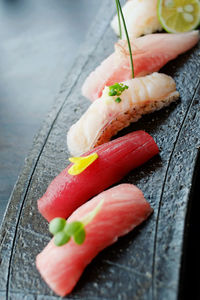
150 54
105 117
140 16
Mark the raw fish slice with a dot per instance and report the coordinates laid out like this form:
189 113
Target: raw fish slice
150 54
123 208
105 117
140 16
116 159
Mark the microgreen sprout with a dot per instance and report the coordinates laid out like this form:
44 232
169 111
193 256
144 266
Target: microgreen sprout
116 90
64 231
126 32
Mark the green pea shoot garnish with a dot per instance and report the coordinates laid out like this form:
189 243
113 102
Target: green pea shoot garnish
64 231
116 90
119 12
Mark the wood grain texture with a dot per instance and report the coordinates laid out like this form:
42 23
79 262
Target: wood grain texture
145 264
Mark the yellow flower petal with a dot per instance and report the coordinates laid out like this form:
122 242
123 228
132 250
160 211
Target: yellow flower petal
81 163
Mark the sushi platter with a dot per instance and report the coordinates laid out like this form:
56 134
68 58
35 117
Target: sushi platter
146 263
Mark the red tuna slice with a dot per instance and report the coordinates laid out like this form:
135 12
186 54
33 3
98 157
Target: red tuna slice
116 158
123 208
150 54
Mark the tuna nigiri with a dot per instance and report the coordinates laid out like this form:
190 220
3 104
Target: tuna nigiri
123 208
150 54
105 117
115 159
140 16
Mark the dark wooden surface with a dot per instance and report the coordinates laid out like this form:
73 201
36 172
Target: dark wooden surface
145 264
39 42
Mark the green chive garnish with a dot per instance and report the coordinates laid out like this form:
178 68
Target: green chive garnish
126 32
118 100
119 20
117 89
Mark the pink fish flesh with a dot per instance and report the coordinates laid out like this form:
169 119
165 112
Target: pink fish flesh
123 208
150 54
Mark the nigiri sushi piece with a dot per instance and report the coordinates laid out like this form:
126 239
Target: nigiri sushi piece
105 117
150 54
123 208
140 17
115 159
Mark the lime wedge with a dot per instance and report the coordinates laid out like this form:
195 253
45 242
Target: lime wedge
179 15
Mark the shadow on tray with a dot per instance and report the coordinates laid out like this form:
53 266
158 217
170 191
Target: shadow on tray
190 279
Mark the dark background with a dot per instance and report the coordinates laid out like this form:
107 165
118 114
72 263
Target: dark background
39 42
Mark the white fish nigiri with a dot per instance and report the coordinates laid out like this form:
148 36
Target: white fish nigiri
150 53
140 16
123 208
105 117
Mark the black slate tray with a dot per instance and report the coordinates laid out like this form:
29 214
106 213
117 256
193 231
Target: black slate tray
146 263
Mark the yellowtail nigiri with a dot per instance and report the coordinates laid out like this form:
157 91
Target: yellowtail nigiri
150 53
105 117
